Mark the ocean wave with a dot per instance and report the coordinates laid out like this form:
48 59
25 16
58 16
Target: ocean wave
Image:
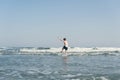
71 51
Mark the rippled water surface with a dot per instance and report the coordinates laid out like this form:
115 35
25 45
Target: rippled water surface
56 67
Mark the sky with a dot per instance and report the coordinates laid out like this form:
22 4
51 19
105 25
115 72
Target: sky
38 23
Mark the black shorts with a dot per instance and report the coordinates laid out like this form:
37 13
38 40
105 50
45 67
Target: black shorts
64 47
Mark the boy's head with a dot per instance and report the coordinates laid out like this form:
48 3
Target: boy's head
64 39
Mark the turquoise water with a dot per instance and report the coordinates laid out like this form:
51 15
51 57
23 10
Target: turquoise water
56 67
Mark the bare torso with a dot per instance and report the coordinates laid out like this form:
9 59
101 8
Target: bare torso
65 43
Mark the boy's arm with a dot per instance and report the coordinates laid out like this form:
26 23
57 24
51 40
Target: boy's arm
60 39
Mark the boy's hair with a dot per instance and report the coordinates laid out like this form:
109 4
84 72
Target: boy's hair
64 39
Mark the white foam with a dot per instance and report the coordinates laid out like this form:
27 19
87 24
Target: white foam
71 51
76 50
103 78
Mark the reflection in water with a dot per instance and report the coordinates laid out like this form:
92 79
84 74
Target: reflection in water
65 64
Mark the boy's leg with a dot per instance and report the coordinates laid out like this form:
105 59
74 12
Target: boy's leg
62 50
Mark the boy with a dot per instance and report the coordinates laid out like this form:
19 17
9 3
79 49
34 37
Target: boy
65 47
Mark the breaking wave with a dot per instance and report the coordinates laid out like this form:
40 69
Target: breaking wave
56 51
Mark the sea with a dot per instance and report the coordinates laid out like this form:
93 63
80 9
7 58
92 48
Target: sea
29 63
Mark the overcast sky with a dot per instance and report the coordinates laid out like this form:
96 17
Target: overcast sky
85 23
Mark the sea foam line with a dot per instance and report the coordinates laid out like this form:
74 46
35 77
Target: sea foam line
72 50
75 50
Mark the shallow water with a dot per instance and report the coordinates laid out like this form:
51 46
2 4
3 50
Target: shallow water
56 67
